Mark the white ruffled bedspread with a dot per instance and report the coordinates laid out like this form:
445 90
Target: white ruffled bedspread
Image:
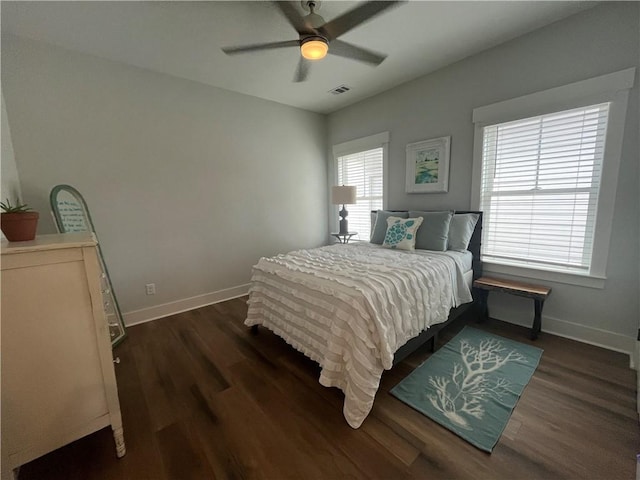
350 307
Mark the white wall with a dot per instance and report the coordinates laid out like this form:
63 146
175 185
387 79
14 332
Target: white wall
9 174
595 42
188 185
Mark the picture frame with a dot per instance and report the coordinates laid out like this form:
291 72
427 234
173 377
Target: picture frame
428 166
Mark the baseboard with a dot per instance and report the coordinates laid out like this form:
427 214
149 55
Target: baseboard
590 335
574 331
166 309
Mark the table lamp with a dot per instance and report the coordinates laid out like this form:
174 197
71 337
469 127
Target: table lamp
343 195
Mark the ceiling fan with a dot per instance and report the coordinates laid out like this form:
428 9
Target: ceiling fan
317 37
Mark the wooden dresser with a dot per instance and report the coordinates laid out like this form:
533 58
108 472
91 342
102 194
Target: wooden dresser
58 378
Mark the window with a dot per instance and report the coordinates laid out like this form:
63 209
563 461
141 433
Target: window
545 175
540 184
361 163
364 170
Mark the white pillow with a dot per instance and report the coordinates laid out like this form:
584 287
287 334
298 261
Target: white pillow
401 233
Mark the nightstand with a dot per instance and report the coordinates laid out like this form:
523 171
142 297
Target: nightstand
344 237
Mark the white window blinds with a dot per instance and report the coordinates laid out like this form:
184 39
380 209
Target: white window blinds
539 192
364 171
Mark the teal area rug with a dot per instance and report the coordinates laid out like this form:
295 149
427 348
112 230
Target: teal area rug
471 385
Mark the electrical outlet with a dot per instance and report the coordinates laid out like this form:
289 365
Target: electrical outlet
151 288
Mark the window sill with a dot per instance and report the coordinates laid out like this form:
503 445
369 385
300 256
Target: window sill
590 281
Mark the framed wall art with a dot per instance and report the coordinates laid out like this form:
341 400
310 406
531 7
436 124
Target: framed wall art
428 166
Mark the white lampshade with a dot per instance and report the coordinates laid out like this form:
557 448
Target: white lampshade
343 195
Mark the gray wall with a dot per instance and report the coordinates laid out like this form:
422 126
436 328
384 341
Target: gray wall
9 174
188 185
595 42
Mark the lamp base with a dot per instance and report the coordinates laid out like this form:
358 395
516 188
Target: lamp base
344 224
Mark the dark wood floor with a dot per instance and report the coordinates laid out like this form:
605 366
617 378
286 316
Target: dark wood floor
203 398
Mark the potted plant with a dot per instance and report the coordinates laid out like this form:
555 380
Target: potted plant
18 222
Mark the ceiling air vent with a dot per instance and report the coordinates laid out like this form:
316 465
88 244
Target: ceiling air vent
340 89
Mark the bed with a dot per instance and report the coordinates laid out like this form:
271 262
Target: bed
357 309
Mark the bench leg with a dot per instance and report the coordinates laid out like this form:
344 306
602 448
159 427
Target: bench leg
537 319
483 305
254 329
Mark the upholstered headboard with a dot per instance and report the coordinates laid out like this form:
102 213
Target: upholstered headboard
475 243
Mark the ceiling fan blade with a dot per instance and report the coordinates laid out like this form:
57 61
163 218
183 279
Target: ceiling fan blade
260 46
296 20
302 70
344 49
345 22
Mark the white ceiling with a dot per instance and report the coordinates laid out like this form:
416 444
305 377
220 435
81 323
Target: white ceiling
184 39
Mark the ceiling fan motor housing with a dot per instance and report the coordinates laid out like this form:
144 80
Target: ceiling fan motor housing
313 19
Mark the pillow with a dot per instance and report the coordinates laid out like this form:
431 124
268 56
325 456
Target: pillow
401 233
461 230
380 228
434 231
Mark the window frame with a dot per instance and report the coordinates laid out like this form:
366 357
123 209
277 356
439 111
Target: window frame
613 88
378 140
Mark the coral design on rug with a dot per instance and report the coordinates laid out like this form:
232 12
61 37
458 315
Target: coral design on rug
469 387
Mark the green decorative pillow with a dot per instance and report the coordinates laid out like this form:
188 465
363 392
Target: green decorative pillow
401 233
380 227
434 232
461 230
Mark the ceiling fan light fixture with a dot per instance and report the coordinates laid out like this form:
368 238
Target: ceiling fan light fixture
314 48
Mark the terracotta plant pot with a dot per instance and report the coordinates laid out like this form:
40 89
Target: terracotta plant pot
19 227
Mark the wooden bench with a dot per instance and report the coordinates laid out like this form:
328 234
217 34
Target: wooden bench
538 293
